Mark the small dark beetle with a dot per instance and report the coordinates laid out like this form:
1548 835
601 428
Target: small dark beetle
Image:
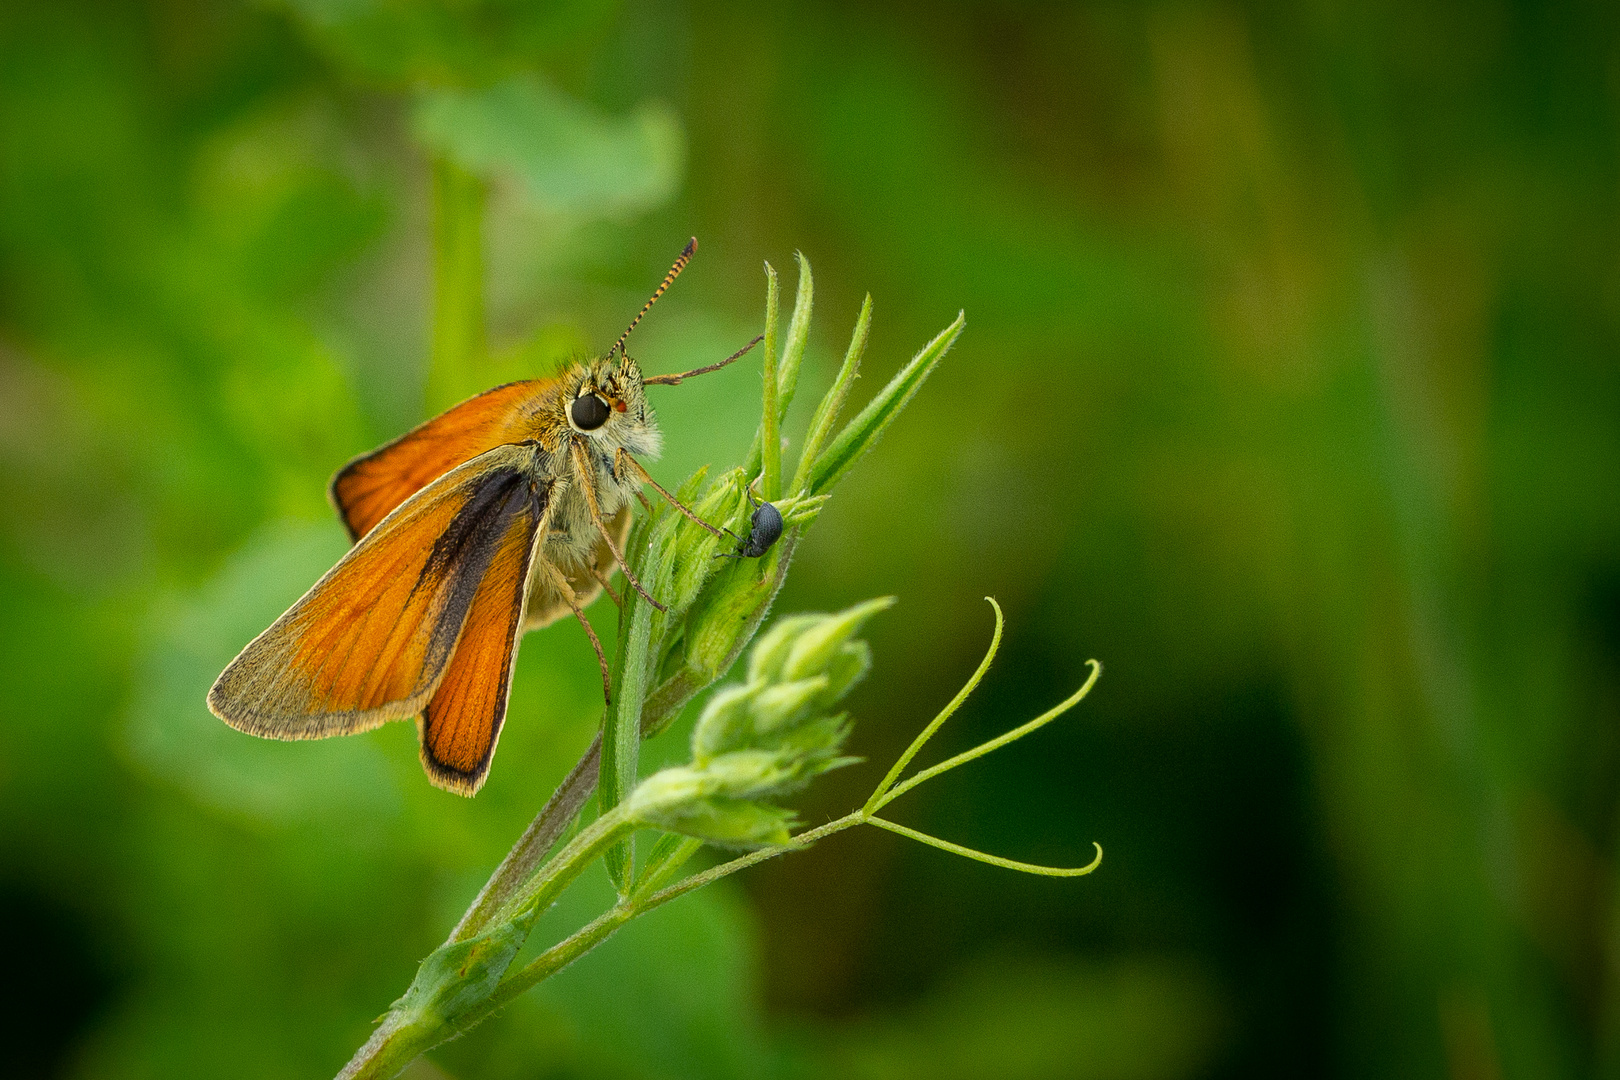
764 528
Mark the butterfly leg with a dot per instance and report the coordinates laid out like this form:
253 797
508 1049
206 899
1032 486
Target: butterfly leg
602 578
623 463
566 591
588 483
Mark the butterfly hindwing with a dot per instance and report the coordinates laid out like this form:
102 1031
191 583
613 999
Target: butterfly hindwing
371 641
461 723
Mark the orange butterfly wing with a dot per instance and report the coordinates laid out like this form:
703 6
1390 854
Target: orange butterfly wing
367 489
372 640
462 722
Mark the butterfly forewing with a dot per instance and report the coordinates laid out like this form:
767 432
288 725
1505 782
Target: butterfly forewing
367 489
371 641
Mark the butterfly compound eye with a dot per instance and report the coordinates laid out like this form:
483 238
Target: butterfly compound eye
589 412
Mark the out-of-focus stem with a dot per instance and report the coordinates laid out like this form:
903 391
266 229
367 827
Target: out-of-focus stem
458 283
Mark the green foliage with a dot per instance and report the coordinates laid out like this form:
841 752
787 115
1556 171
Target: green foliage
403 43
751 745
765 738
567 157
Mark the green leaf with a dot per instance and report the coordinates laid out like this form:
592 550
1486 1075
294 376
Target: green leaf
402 43
787 373
832 402
769 439
863 432
568 157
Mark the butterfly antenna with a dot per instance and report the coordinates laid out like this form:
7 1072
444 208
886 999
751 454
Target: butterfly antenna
674 380
674 272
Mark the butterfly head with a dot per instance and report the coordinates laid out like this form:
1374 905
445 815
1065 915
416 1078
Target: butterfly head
606 401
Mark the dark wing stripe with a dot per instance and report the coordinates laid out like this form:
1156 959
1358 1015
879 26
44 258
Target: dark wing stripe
462 723
469 545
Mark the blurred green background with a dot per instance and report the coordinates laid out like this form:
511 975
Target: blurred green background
1290 390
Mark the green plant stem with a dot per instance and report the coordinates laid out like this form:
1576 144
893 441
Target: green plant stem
944 714
526 855
467 979
993 860
660 709
598 930
538 892
396 1043
993 744
403 1035
668 855
621 733
458 283
770 423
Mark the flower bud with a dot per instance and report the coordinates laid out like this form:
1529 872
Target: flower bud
725 723
777 707
458 976
729 822
695 546
813 650
849 666
723 612
772 648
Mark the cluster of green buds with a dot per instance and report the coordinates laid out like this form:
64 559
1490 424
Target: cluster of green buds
766 737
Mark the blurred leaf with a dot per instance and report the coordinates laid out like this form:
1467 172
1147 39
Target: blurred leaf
283 197
568 157
190 639
404 42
